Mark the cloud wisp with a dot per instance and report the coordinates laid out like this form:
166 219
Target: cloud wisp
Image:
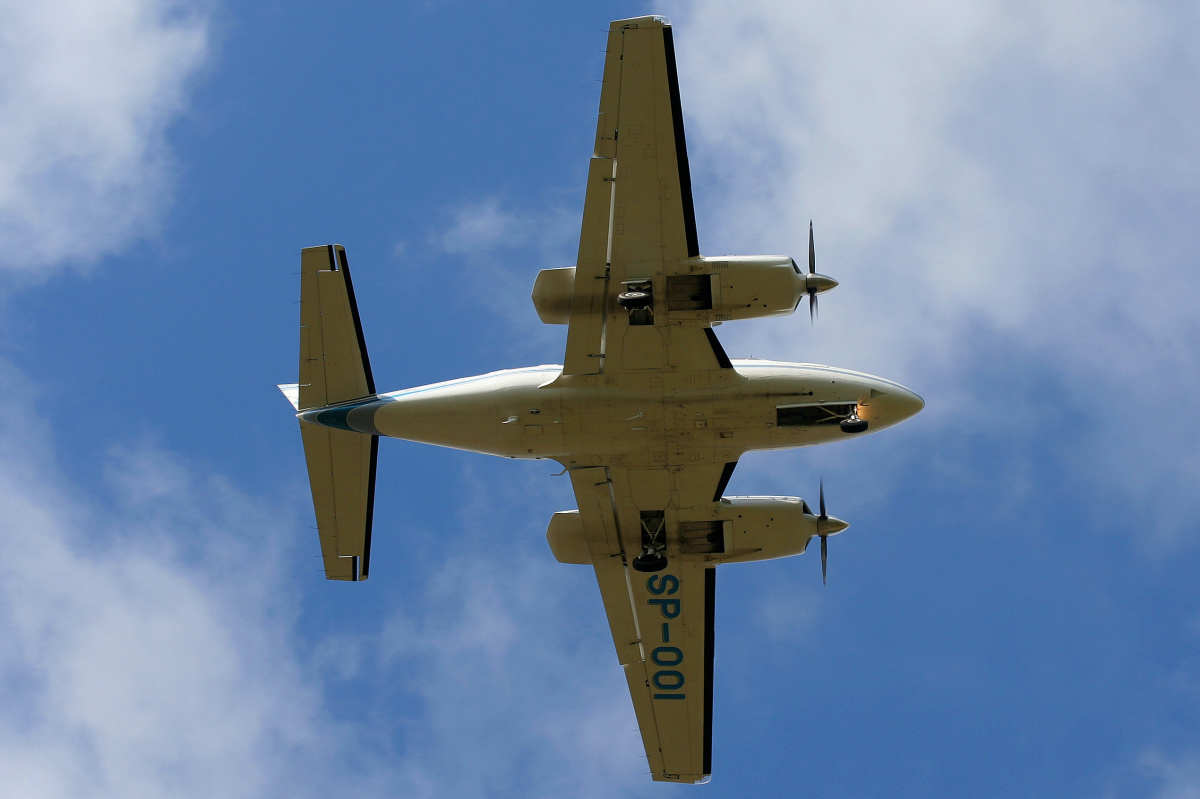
499 249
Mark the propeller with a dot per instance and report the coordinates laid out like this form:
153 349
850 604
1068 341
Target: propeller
824 517
814 283
826 526
812 313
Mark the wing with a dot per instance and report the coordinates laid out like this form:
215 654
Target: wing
638 219
662 623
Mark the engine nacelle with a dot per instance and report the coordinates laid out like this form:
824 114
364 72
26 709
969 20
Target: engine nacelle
737 530
736 287
566 539
711 290
764 528
552 295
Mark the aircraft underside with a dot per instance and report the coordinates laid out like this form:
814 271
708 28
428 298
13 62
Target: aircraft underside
647 414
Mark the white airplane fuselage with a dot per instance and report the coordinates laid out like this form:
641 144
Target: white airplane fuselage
630 419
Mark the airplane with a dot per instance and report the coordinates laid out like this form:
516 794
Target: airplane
647 413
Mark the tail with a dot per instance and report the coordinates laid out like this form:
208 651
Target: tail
334 369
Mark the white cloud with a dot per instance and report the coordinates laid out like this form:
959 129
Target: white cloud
493 243
152 647
509 659
481 227
1178 779
488 226
88 89
955 153
997 186
146 642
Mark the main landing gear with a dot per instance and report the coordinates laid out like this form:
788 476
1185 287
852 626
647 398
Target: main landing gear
635 300
638 299
650 562
654 545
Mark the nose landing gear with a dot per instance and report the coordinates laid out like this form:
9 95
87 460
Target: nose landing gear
853 424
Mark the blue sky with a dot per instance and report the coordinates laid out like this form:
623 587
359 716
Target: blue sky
1007 194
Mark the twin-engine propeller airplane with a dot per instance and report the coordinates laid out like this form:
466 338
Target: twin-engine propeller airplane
647 414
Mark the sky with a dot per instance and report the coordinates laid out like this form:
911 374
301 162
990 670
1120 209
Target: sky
1008 193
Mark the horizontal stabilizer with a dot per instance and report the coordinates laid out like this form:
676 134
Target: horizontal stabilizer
334 369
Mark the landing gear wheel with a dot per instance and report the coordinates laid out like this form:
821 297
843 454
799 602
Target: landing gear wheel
853 425
634 300
649 562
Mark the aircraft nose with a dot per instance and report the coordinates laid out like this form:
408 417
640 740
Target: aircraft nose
892 404
905 403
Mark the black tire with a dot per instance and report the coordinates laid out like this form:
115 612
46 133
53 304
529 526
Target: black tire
649 563
853 425
634 300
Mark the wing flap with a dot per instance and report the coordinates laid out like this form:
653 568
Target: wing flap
585 331
593 493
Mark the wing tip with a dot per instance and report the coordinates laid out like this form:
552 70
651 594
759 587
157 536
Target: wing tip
649 21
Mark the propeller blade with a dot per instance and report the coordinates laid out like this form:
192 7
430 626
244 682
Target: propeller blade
812 250
824 560
812 308
823 515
